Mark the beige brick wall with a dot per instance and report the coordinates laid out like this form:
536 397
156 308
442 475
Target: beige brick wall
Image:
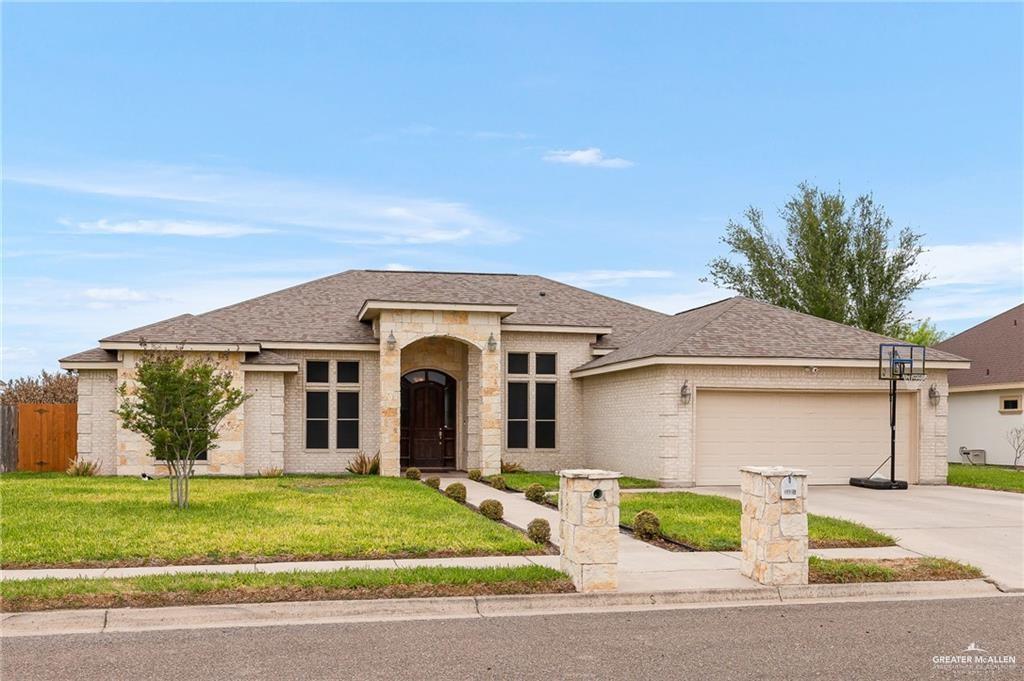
298 459
572 350
97 426
636 422
264 421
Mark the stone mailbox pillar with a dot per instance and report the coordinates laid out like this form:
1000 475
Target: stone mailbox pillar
773 524
588 502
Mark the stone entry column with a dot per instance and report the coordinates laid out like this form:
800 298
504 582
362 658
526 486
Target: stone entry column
588 502
773 525
390 409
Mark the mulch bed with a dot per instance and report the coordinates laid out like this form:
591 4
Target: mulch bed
279 594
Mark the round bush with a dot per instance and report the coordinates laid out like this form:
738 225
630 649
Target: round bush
539 531
497 482
456 491
492 508
536 493
412 473
475 474
646 525
433 482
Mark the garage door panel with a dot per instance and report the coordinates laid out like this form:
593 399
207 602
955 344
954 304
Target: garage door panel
834 435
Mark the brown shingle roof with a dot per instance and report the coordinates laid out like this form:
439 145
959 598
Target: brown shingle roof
741 327
268 358
995 348
92 355
180 329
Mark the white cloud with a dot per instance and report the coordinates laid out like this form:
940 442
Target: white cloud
123 295
592 156
599 278
230 201
171 228
397 267
979 263
671 303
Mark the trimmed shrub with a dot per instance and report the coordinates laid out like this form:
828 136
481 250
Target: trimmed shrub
412 473
646 525
433 482
83 468
475 474
497 482
511 467
539 531
456 491
536 493
492 508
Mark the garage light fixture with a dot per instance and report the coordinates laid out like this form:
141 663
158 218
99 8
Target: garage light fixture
933 395
684 392
492 343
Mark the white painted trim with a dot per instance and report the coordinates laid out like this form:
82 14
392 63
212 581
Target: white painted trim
278 368
749 361
351 347
540 328
371 308
192 347
994 387
601 352
90 365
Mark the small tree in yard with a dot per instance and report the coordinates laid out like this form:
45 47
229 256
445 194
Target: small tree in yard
1015 436
55 388
177 406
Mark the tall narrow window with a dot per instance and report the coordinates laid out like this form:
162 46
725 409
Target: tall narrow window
317 418
518 415
348 420
518 362
544 416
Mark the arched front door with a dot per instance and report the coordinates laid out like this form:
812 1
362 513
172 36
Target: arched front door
428 419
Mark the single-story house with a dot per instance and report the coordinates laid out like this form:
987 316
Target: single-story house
462 371
987 400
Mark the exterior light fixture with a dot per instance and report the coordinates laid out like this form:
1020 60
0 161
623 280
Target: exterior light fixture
392 341
684 392
492 343
933 395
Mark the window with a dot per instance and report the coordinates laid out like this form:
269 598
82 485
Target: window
518 415
1010 404
316 420
545 362
348 420
317 372
544 416
519 362
348 372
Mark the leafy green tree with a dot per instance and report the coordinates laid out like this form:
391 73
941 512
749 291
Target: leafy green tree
178 406
838 261
925 333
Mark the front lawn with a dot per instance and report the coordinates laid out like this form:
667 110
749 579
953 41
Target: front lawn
520 481
53 519
712 523
986 477
833 571
186 589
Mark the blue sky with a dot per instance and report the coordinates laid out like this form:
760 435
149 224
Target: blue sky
161 159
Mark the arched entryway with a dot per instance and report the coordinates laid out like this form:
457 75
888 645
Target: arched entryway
428 419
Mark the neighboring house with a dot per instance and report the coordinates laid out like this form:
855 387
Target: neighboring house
987 400
463 371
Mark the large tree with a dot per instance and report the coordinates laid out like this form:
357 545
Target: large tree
48 388
839 261
178 406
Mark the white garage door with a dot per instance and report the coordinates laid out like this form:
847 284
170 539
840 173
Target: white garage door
834 435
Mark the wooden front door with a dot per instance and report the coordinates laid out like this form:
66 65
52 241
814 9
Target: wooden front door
428 419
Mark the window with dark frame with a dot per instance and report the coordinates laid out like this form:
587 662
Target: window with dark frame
518 362
317 419
518 415
317 371
1010 404
544 416
348 420
348 372
544 363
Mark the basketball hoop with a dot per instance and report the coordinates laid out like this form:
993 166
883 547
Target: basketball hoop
896 362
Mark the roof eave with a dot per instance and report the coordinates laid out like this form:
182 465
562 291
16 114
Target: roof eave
655 360
371 309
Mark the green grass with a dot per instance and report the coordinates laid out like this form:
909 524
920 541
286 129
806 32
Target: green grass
986 477
53 519
520 481
833 571
712 523
40 594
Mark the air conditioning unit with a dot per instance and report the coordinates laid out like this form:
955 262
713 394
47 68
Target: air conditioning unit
974 457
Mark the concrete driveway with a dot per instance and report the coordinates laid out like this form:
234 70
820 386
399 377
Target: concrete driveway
980 527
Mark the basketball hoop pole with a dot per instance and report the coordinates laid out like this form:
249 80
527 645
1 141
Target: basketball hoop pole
892 431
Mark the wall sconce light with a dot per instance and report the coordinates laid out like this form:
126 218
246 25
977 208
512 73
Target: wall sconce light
392 341
933 395
492 343
684 392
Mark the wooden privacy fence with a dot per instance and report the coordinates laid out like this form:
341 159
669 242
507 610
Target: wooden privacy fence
38 437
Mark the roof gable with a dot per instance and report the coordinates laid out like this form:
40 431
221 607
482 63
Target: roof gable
995 348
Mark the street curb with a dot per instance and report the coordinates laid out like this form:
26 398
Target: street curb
122 620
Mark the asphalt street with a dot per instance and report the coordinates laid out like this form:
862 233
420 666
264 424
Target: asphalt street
891 640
